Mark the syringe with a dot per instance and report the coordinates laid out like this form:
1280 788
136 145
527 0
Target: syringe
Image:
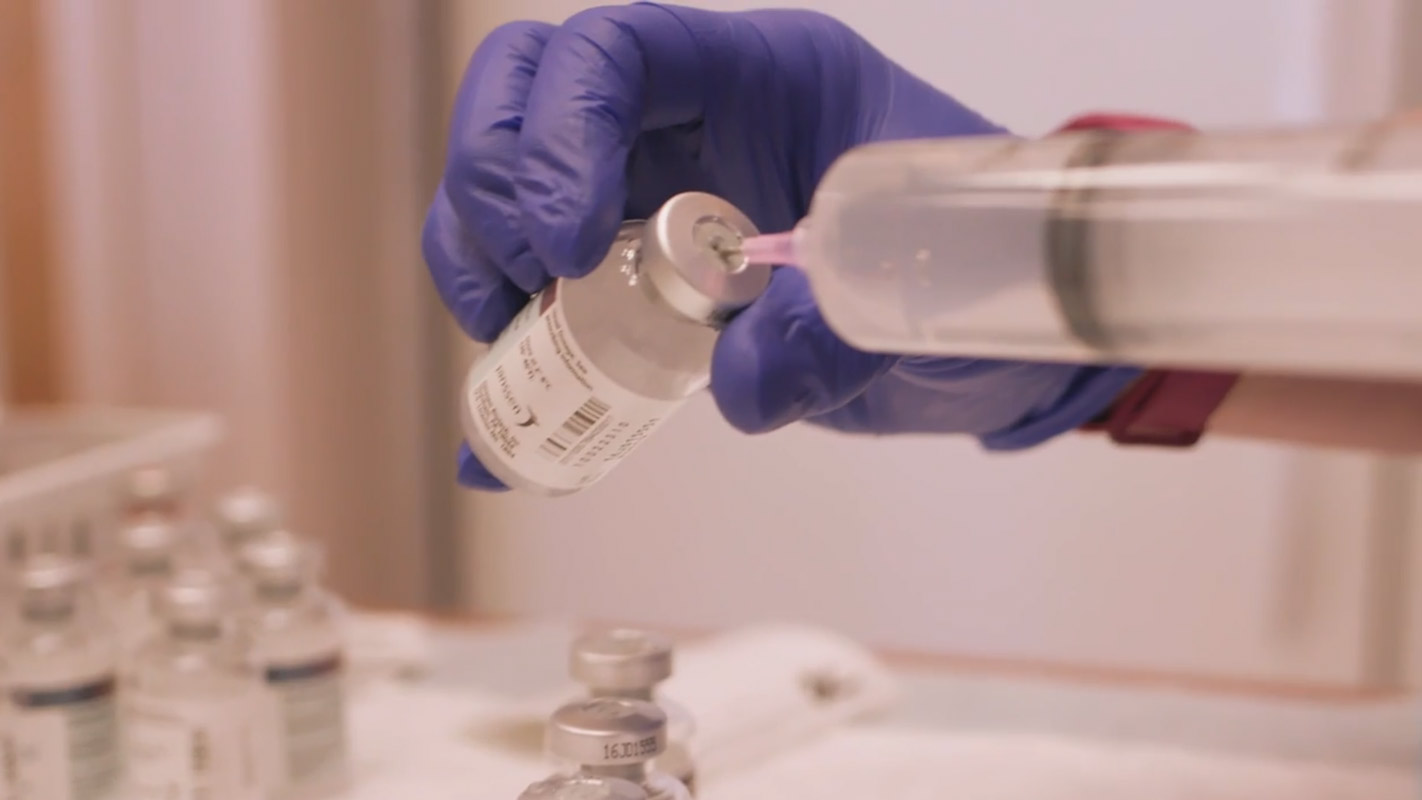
1287 250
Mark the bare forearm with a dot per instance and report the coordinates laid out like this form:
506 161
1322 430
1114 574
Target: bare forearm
1361 415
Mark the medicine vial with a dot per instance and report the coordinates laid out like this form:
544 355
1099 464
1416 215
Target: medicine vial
615 737
583 787
298 643
58 670
190 699
631 664
147 555
244 515
592 366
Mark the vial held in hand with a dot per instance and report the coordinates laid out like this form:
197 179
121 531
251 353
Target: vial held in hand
592 366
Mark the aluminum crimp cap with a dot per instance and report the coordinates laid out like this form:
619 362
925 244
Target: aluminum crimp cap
148 536
193 597
278 557
48 572
608 731
691 256
247 512
621 660
583 787
150 488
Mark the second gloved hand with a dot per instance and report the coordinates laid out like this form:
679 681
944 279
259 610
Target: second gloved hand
561 132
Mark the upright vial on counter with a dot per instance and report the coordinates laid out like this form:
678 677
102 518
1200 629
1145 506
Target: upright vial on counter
631 664
58 671
298 643
244 515
615 737
583 787
191 699
592 366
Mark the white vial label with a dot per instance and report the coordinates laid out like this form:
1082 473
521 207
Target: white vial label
310 712
180 750
63 743
538 403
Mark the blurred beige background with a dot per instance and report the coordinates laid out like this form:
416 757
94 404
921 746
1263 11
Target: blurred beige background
231 195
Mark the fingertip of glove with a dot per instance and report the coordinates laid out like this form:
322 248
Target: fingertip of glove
473 475
778 362
569 229
477 295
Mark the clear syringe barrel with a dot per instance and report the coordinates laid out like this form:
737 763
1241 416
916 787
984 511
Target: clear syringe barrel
1286 250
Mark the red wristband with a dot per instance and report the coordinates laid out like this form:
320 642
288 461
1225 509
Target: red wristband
1166 408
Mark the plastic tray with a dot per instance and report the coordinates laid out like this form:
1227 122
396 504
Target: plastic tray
61 471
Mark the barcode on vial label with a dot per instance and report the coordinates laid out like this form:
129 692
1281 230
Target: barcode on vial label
575 427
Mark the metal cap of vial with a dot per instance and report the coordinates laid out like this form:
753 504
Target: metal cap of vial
150 489
148 540
583 787
193 597
246 513
691 256
49 585
608 731
50 572
620 660
277 558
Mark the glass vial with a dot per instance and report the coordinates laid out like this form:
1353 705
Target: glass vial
592 366
189 700
58 669
615 737
297 641
632 664
147 556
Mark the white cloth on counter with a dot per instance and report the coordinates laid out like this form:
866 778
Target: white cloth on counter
783 710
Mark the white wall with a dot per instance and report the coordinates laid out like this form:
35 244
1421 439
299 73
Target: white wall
1232 559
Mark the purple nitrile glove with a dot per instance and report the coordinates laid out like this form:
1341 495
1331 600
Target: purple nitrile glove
562 131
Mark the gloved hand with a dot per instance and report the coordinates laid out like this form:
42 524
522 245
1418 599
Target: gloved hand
561 132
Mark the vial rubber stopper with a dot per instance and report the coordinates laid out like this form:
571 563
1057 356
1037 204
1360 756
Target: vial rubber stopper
608 731
691 257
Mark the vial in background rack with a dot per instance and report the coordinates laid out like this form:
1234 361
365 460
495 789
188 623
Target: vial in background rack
592 366
298 643
146 559
244 515
615 737
631 664
151 491
58 670
189 701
